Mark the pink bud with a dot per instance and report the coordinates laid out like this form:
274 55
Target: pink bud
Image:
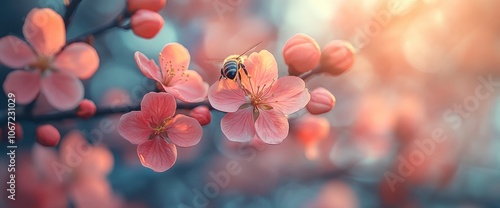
311 129
153 5
321 101
202 115
146 23
337 57
19 132
301 54
86 109
47 135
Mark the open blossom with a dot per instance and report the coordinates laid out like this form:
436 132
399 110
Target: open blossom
49 68
78 173
259 105
157 131
173 74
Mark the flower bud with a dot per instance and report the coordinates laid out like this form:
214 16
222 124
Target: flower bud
202 115
301 54
86 109
47 135
337 57
153 5
146 24
321 101
311 129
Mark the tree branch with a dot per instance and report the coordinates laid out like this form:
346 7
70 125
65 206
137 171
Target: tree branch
70 11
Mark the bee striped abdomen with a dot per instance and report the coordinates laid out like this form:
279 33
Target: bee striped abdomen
230 69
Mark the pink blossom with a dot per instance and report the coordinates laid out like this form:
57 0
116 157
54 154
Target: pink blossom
173 74
259 105
49 68
79 171
157 131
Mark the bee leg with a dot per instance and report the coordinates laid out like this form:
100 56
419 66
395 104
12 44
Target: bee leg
221 73
244 69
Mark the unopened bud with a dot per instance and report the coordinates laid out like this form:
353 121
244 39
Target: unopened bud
153 5
337 57
19 132
301 54
321 101
202 114
47 135
146 23
86 109
311 129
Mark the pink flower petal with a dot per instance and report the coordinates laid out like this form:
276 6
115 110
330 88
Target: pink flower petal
44 29
147 66
157 154
192 90
43 158
88 192
157 107
24 84
73 149
98 164
185 131
134 127
239 126
289 95
63 91
225 95
271 126
174 55
262 68
15 53
80 59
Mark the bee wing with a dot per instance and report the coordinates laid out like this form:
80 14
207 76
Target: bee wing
214 61
250 49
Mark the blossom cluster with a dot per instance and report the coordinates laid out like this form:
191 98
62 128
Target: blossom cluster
257 103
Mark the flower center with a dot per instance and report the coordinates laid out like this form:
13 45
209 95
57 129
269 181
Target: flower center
43 63
172 74
259 98
162 127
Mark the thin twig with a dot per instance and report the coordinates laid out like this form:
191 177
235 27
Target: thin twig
71 114
70 11
95 32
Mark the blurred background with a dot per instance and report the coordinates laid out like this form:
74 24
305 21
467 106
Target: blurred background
416 122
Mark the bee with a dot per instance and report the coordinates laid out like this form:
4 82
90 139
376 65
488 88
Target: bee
233 64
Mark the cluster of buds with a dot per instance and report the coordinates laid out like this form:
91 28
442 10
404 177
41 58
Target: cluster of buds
303 55
145 20
48 135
